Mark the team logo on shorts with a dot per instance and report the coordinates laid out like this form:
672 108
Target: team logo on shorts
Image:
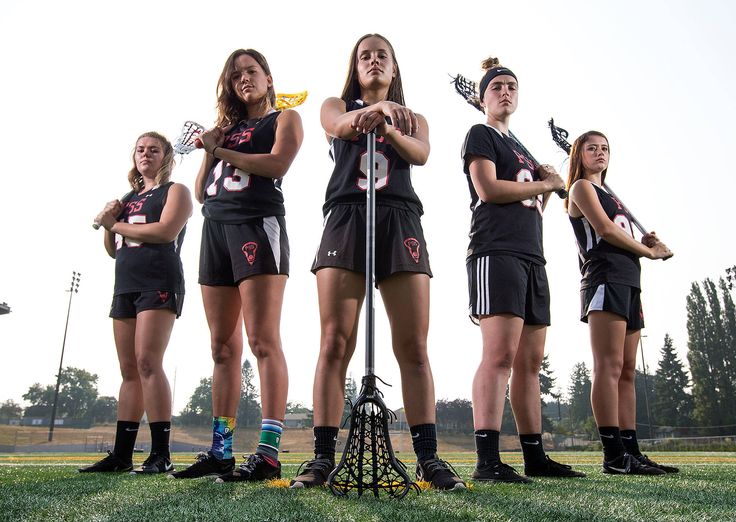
413 246
164 296
249 249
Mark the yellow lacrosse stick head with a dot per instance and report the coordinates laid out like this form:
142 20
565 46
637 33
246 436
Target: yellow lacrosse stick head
289 101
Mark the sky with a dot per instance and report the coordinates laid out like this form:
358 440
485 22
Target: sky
83 79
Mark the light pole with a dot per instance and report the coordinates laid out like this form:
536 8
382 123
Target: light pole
73 289
646 386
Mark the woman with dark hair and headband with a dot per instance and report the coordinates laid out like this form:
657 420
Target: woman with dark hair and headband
610 299
509 294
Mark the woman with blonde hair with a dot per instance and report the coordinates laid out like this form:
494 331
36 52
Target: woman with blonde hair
144 234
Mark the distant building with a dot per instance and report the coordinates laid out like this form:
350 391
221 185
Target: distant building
298 420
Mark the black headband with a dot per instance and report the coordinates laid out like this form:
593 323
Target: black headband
490 75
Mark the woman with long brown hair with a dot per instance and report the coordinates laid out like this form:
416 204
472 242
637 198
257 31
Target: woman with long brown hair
610 301
373 100
244 258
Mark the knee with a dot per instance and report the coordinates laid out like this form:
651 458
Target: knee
147 367
412 354
500 360
611 369
263 347
335 347
129 371
223 353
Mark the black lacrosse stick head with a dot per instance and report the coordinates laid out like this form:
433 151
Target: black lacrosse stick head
368 463
559 135
468 89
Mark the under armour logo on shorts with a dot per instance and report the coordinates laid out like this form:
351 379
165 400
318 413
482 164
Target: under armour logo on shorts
332 253
249 249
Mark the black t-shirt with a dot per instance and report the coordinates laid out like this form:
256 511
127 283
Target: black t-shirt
234 196
145 267
349 183
600 261
508 228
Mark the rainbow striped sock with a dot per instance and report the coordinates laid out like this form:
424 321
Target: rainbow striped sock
270 438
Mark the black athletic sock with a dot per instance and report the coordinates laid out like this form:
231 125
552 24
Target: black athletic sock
125 435
325 440
531 446
631 444
424 440
160 438
611 440
486 446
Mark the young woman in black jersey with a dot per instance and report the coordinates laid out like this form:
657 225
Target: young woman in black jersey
244 258
509 294
372 99
144 233
610 301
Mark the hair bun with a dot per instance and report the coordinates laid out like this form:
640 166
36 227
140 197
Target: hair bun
490 63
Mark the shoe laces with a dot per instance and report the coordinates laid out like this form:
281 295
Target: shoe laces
436 464
251 462
201 457
321 465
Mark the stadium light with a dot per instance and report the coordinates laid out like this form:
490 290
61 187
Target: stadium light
4 308
73 289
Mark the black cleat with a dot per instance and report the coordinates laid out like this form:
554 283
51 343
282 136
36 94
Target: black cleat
205 465
256 467
550 468
440 474
643 459
627 464
111 463
497 472
315 472
155 463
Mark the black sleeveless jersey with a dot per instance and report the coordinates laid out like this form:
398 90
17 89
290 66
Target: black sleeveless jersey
508 228
232 195
146 267
600 261
349 183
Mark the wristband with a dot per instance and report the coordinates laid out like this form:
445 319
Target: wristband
213 150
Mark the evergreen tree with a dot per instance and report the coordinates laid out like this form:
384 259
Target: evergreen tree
198 411
644 390
249 410
546 385
711 355
578 394
672 404
351 395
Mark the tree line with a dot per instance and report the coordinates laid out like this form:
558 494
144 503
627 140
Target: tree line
671 402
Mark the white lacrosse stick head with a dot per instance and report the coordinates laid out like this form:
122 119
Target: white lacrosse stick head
186 142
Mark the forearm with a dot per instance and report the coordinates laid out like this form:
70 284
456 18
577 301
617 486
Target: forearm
147 232
265 165
503 191
617 237
411 149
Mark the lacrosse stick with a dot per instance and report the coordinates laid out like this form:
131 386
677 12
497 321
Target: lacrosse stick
96 225
368 463
468 89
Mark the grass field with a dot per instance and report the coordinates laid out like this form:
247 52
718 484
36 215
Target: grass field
46 487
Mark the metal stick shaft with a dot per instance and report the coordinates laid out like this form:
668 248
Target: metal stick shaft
635 221
370 256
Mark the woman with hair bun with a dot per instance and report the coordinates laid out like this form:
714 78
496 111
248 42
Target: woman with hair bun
509 294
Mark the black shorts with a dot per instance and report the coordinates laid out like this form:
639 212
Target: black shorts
230 253
128 306
503 284
400 243
618 299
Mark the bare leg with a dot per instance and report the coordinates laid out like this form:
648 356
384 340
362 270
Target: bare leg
262 297
222 308
153 330
406 297
130 398
524 391
607 336
626 385
501 335
341 294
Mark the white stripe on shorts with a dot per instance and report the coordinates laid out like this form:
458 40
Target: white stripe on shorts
273 231
483 290
597 302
